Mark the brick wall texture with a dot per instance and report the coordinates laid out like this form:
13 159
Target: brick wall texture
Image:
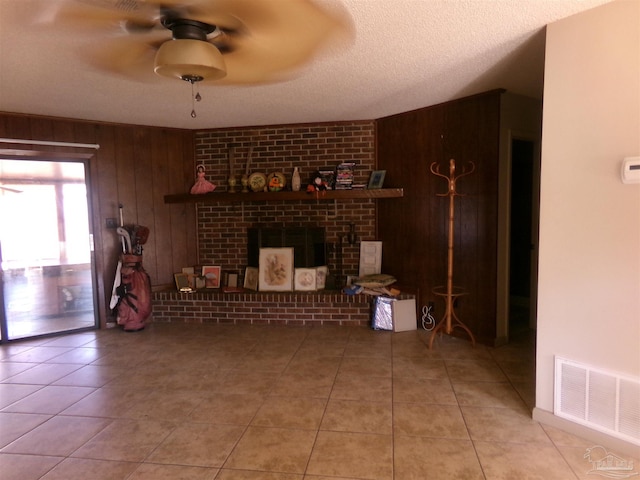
223 227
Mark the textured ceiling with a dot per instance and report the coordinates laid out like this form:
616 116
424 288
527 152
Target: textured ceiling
406 54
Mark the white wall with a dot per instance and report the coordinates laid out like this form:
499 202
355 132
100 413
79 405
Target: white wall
589 270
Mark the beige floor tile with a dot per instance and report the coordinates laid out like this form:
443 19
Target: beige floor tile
358 416
423 390
243 382
508 461
265 362
356 387
305 384
487 394
503 425
419 458
125 440
80 468
49 400
26 467
75 340
173 405
38 354
478 370
250 475
150 471
366 366
109 401
91 376
14 425
58 436
10 393
227 408
375 349
352 455
202 445
42 374
81 355
419 367
440 421
272 450
10 369
290 412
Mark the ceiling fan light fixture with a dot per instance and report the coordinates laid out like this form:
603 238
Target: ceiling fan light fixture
189 60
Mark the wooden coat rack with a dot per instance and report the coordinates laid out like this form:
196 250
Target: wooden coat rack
450 293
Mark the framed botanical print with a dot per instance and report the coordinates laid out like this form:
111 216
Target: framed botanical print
275 272
251 278
305 279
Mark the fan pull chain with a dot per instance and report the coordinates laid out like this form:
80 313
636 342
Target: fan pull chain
194 98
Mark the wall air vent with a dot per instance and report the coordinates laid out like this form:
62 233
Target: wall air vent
601 400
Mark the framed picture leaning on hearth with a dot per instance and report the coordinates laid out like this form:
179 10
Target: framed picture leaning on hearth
211 276
251 278
275 270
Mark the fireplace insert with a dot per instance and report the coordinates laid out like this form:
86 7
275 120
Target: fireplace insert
310 249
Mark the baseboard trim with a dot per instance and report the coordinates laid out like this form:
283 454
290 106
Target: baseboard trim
598 438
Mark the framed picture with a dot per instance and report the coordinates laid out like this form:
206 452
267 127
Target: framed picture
376 179
305 279
321 277
211 276
182 282
275 273
251 278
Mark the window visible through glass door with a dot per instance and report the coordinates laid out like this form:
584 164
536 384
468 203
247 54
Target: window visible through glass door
45 248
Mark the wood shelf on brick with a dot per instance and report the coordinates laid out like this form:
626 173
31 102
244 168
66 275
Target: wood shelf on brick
225 197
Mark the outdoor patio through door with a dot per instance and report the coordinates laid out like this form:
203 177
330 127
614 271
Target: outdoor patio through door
45 248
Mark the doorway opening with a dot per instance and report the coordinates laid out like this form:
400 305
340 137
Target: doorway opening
523 236
46 252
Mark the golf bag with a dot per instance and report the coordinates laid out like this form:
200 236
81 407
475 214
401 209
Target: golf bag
134 294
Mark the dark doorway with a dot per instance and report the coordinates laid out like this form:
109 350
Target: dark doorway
523 236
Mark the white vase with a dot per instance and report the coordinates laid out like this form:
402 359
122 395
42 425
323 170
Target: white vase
295 180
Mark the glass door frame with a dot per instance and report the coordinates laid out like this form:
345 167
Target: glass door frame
58 156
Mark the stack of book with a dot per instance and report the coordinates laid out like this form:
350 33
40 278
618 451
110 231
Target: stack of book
344 176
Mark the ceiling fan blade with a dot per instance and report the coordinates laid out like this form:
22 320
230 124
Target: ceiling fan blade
276 37
129 56
96 14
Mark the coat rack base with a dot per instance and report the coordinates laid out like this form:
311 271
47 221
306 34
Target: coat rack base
450 320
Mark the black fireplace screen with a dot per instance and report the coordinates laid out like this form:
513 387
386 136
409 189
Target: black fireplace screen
308 244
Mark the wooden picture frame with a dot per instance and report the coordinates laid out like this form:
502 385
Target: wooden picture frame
304 279
251 278
182 282
275 271
211 274
321 277
376 179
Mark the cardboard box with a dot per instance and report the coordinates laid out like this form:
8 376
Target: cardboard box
404 315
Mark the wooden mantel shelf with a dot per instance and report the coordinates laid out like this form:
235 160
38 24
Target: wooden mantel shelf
225 197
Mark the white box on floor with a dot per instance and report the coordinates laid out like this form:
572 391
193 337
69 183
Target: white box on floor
404 315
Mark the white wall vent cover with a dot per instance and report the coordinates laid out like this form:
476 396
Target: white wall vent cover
601 400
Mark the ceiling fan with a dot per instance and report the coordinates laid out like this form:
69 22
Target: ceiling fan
227 41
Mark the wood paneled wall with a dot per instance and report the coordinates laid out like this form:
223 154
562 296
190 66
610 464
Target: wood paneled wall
135 166
414 228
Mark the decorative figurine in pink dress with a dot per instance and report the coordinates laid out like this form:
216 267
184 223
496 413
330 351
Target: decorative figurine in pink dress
202 185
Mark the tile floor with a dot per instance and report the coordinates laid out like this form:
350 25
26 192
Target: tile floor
274 403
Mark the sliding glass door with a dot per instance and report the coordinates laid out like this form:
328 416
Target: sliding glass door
45 248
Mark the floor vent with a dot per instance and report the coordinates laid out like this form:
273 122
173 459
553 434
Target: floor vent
598 399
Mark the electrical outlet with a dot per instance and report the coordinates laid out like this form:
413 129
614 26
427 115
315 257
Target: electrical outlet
111 223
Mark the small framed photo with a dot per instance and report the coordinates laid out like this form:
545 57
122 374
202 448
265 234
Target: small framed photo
376 179
321 277
211 276
182 282
305 279
251 278
275 273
